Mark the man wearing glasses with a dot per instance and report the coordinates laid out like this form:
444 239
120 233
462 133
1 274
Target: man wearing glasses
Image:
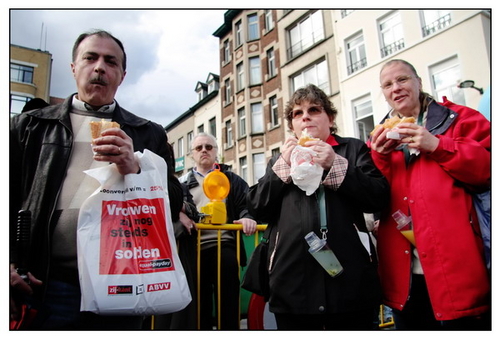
204 153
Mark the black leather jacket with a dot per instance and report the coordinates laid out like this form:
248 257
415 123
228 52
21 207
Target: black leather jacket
41 143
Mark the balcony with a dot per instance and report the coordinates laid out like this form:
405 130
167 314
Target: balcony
392 48
437 25
356 66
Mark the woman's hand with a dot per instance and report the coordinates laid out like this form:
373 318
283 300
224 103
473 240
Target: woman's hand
418 137
324 154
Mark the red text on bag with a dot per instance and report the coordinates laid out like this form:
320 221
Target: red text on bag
134 239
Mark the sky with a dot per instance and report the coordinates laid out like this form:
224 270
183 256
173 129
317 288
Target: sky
168 52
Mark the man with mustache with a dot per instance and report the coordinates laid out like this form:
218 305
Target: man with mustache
49 150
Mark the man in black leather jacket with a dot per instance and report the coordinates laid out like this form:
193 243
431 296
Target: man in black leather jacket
49 148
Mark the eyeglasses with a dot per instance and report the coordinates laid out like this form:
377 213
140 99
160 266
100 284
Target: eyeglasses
311 111
208 147
400 81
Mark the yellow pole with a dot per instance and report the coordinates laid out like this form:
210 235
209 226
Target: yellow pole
238 259
219 228
205 226
198 283
219 251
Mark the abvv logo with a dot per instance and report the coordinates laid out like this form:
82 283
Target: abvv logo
154 287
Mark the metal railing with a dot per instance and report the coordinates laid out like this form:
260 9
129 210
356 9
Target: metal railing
356 66
437 25
392 48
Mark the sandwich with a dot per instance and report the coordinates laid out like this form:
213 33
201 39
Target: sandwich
305 137
97 127
393 122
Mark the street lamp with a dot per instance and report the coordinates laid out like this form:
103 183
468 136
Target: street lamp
469 83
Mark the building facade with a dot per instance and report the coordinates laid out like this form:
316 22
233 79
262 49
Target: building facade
265 55
251 91
30 74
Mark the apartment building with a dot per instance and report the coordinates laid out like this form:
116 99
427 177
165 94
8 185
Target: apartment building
30 72
251 94
265 55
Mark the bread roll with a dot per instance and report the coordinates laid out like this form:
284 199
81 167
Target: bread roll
392 122
305 137
97 127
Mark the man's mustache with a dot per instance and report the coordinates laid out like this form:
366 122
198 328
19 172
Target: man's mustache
98 80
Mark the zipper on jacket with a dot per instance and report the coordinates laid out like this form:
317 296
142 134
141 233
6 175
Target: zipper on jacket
271 258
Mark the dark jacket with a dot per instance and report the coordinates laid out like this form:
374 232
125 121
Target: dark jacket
235 202
298 284
41 142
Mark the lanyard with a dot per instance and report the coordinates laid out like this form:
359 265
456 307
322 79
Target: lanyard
420 120
322 211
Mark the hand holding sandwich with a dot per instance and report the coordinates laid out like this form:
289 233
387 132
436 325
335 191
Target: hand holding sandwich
416 136
113 145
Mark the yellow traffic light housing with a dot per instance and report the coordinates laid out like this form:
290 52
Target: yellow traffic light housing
216 187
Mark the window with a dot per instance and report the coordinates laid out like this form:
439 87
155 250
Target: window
201 128
242 126
259 166
445 77
391 34
238 34
213 127
229 134
273 107
240 74
363 115
227 55
253 27
227 86
180 147
434 20
17 103
201 90
257 118
306 33
21 73
213 83
190 137
244 169
316 74
271 63
269 22
255 72
212 86
356 55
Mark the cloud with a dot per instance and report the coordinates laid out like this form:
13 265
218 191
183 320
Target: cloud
168 52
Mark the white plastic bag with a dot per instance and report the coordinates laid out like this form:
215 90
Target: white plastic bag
305 173
127 255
